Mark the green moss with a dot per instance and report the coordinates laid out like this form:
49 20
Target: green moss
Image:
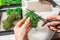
33 17
8 23
16 10
0 3
9 2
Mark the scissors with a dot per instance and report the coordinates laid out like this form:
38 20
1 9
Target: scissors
45 20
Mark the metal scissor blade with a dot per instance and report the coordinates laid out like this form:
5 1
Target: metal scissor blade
39 16
43 18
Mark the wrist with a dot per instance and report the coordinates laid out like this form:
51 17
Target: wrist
18 38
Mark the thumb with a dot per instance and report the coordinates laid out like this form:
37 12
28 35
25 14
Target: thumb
26 24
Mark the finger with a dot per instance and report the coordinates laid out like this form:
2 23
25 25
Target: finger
58 27
20 22
53 28
28 29
26 24
53 17
58 17
58 30
53 23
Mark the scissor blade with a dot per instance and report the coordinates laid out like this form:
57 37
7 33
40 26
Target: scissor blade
39 16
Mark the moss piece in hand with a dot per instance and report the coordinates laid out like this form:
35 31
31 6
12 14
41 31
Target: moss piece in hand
33 17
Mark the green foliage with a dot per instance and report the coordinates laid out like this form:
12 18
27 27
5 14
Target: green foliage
16 10
9 2
8 23
33 17
0 3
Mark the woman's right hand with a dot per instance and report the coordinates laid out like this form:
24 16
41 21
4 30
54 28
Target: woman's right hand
52 25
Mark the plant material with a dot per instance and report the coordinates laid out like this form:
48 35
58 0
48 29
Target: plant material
16 10
15 2
9 2
0 3
33 17
8 23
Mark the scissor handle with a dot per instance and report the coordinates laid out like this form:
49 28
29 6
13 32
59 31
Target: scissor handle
47 21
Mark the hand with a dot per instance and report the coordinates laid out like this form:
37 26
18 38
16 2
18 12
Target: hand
52 25
21 29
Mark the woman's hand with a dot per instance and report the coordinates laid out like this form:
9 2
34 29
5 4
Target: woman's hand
52 25
21 29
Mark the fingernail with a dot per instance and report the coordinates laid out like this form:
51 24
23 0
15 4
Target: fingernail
28 17
52 27
55 29
28 20
58 31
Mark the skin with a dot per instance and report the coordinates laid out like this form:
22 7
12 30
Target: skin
21 29
52 25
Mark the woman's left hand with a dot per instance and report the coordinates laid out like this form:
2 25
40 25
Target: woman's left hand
21 29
